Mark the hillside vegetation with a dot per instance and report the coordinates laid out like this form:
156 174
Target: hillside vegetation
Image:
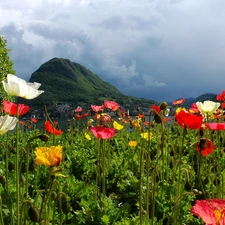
66 82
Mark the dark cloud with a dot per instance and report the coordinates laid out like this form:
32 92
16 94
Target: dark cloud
155 49
26 57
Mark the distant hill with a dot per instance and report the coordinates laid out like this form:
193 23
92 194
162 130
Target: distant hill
66 82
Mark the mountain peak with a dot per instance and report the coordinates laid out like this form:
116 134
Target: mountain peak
68 82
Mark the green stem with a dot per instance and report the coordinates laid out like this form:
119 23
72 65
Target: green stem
1 217
140 185
7 163
103 167
53 125
148 165
179 173
17 172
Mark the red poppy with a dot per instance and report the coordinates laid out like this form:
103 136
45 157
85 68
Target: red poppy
178 102
55 122
51 129
111 105
223 105
78 109
33 120
85 115
78 116
97 108
29 126
10 108
211 211
22 122
141 116
221 97
156 108
103 132
205 146
216 126
189 120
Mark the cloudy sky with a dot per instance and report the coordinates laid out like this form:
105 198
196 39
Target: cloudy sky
156 49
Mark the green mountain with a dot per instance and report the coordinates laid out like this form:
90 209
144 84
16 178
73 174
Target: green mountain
66 82
201 98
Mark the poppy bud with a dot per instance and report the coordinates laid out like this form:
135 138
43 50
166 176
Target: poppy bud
158 118
53 195
66 207
44 137
11 149
197 192
32 166
163 105
187 186
2 180
34 214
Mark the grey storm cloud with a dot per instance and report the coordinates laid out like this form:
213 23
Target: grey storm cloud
156 49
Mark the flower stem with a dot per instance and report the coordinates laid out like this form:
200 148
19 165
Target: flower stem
17 172
140 184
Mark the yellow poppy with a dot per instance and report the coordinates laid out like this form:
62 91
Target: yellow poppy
117 126
179 109
87 136
132 143
146 135
48 156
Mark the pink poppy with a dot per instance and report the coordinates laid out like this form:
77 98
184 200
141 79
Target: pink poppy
178 102
111 105
103 132
211 211
205 146
97 108
78 109
194 108
216 126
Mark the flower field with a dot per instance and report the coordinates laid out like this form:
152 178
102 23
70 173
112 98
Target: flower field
120 170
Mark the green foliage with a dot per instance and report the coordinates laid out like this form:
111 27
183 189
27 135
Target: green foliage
6 66
67 82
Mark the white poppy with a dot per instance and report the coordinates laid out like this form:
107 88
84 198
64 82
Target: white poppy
18 87
207 107
7 123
